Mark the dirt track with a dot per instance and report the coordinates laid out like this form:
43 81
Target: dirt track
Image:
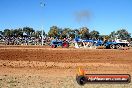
43 63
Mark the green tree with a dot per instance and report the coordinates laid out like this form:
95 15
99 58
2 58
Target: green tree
113 35
28 30
38 34
94 34
71 33
84 32
65 33
17 32
11 33
101 37
7 33
60 31
1 34
76 33
123 34
54 31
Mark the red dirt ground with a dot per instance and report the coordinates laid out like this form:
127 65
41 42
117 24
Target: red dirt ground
45 61
66 55
61 57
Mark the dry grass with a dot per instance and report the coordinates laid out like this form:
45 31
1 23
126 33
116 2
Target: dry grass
48 82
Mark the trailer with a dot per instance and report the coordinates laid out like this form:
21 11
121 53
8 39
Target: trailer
80 43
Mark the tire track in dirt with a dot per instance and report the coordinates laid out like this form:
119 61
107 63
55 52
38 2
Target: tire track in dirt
35 64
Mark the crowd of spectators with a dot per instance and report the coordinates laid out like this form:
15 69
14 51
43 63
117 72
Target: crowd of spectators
23 40
27 40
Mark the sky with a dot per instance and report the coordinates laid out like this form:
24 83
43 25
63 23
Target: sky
105 15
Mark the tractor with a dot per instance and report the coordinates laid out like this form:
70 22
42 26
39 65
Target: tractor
56 42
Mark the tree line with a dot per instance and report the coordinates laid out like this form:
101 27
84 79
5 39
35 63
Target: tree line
20 32
61 33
